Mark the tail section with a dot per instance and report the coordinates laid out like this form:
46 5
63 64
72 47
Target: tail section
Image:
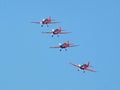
68 42
49 18
88 63
60 28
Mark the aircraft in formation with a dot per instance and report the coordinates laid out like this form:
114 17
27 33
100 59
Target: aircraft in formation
64 45
46 21
83 67
56 32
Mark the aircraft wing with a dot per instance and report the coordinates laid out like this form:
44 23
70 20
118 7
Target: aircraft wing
53 22
37 22
55 47
73 45
64 32
48 32
90 70
74 65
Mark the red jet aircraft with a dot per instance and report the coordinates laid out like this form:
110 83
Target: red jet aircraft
64 45
56 32
83 67
46 21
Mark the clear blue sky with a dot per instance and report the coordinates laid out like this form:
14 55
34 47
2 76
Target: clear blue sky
27 62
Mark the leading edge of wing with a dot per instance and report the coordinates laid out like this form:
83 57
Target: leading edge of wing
55 47
74 65
53 22
90 70
37 22
64 32
48 32
73 45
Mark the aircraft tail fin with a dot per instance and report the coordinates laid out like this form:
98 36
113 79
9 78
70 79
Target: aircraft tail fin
49 18
88 63
61 28
68 42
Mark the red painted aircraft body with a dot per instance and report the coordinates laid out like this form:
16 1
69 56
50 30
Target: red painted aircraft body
83 67
64 45
46 21
56 32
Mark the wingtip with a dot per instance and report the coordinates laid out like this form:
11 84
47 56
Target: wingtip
50 47
42 32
